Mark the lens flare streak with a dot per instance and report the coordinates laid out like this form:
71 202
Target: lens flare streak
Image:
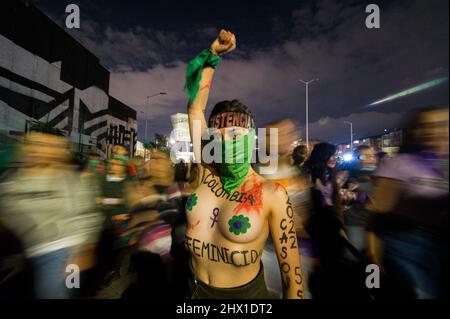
412 90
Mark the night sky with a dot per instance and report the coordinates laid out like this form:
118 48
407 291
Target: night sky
146 45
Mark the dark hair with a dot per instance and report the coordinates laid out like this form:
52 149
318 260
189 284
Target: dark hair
230 106
381 155
411 143
299 154
317 162
181 170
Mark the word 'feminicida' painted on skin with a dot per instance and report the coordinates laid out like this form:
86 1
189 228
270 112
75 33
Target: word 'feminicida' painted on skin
218 254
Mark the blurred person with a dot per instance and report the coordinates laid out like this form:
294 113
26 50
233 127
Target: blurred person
178 193
232 212
181 171
88 224
382 155
409 238
94 165
148 198
39 205
186 173
152 190
360 180
154 210
326 229
138 163
289 175
161 170
120 150
301 195
114 240
299 155
325 223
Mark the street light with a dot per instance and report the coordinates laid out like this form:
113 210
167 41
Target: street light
307 120
156 94
142 112
351 134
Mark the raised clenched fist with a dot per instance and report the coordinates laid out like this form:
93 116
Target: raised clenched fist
225 42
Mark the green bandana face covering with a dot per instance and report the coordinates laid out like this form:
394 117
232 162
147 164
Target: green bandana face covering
236 158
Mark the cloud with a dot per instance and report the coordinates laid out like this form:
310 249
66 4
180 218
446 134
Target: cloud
136 48
365 124
323 121
134 87
355 66
323 39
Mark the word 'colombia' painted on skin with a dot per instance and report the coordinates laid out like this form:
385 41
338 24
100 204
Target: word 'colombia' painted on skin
218 254
211 148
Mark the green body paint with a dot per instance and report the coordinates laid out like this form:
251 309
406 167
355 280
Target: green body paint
239 224
191 201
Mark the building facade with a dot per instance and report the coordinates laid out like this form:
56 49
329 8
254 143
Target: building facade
180 138
47 76
389 142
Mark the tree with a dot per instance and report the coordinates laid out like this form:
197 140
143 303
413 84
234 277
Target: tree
162 143
149 145
161 140
36 126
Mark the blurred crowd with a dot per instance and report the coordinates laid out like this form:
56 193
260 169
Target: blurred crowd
388 211
122 220
116 220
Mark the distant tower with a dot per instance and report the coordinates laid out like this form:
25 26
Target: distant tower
180 136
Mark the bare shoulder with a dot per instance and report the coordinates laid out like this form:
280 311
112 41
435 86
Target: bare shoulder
273 192
274 189
277 199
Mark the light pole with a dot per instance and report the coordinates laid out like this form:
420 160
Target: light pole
142 112
145 137
351 135
153 95
307 109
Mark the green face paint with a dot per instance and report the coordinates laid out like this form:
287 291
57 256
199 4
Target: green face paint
236 158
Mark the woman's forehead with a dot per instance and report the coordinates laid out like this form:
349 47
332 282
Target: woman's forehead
234 130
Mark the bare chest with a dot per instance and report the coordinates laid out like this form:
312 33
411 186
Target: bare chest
213 215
